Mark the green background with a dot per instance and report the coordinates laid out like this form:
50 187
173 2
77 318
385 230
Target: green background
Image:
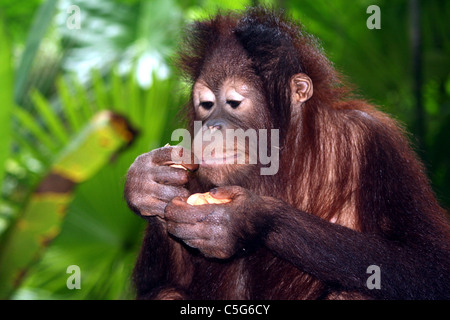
55 79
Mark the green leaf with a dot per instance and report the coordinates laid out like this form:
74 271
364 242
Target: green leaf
100 234
101 95
29 122
52 120
41 219
87 151
134 102
6 85
87 109
41 22
69 105
117 92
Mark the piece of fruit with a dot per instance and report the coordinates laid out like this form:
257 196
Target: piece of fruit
198 199
177 166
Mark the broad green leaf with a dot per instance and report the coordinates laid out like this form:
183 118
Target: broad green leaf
87 152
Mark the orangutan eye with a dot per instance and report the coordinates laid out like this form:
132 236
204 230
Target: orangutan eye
206 105
233 103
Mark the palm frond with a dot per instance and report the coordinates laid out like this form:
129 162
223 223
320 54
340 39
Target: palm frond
40 220
99 233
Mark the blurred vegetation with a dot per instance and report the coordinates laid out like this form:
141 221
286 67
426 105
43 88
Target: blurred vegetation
55 80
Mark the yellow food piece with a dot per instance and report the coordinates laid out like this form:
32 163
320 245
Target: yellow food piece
198 199
177 166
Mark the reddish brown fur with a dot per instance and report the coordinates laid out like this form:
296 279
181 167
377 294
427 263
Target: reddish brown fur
345 161
334 126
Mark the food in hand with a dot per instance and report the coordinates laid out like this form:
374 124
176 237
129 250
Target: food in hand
198 199
179 166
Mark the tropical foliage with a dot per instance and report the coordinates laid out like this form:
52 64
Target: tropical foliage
80 104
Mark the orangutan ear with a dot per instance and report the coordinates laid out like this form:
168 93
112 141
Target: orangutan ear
301 88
